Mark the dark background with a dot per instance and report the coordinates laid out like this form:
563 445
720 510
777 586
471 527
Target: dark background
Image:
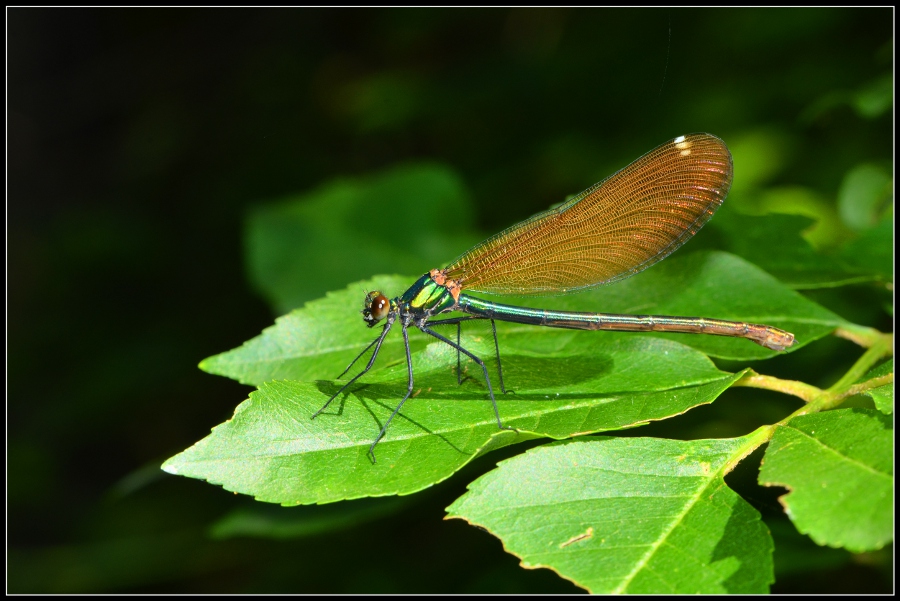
138 141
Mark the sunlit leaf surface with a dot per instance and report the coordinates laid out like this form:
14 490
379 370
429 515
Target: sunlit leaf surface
775 243
839 467
273 450
629 515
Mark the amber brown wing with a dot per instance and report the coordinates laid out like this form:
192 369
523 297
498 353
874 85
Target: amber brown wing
614 229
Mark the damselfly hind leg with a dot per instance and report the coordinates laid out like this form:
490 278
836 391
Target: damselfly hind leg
458 346
481 364
458 354
497 350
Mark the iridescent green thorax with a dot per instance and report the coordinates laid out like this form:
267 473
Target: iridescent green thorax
427 296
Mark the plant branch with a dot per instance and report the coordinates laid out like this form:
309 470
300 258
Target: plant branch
816 399
822 400
861 335
832 398
867 385
881 347
802 390
754 440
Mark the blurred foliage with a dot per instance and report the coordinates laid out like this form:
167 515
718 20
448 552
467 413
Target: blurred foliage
147 147
349 230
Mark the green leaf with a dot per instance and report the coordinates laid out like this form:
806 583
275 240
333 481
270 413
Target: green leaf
349 229
873 250
883 395
629 515
775 243
839 467
864 194
314 342
565 382
273 450
319 340
828 229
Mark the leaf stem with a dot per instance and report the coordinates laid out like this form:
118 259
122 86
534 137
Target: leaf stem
753 440
832 397
861 335
824 400
881 347
878 345
867 385
802 390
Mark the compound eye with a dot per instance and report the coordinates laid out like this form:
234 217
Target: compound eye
380 306
376 308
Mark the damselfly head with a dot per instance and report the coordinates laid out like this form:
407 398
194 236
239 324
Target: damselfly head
376 307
